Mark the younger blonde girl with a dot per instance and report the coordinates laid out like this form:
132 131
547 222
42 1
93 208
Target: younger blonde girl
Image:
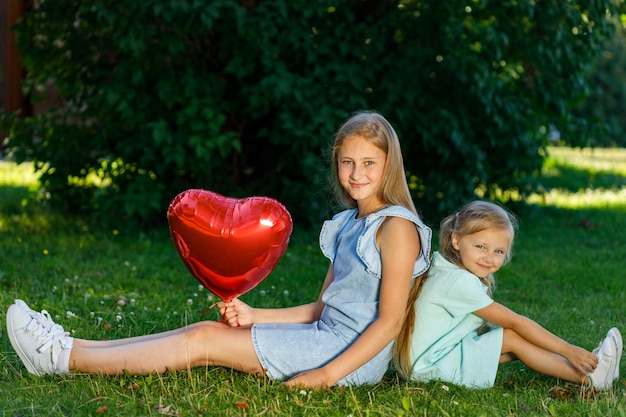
449 341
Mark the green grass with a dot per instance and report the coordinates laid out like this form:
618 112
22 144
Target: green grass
567 273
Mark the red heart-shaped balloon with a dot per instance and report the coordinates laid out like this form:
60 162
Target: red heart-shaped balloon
230 245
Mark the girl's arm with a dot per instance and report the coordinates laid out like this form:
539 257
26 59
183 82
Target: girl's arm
528 329
399 246
236 313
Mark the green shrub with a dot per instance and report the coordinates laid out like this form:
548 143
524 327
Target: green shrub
606 104
242 97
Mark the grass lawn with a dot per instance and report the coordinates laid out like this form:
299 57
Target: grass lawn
567 273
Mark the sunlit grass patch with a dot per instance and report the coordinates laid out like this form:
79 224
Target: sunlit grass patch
588 198
605 160
18 185
18 175
583 178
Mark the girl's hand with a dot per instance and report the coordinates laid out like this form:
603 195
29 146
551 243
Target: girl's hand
581 359
236 313
316 379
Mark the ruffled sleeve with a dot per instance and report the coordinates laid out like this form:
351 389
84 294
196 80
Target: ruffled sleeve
331 230
366 251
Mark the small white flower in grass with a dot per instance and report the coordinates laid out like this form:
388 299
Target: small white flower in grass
54 288
209 298
118 317
189 301
445 388
286 293
200 287
158 309
133 302
262 293
195 294
92 314
304 392
126 263
99 320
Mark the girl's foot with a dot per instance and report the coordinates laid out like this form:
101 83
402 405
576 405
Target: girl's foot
609 354
37 340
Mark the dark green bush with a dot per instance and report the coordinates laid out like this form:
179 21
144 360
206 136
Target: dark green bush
605 107
242 97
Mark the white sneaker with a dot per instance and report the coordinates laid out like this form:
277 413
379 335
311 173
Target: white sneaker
608 361
615 334
37 340
21 304
43 317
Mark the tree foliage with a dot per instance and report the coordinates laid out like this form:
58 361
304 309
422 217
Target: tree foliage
605 107
243 97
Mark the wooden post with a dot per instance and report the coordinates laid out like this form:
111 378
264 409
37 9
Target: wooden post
13 71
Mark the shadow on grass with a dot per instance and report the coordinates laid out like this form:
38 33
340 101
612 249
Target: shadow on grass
22 212
573 179
13 199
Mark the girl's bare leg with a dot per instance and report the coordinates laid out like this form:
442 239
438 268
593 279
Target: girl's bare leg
84 343
202 344
516 347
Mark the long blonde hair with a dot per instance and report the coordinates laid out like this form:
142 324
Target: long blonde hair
394 190
402 345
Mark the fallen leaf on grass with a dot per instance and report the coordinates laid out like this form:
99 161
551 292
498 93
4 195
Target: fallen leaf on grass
571 391
242 405
166 410
560 393
102 410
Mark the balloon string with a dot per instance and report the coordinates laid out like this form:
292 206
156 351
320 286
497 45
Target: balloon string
207 310
223 320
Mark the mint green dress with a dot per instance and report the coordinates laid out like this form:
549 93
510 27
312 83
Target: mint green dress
445 344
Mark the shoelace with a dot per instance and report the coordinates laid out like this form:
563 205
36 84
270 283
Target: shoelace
46 331
44 319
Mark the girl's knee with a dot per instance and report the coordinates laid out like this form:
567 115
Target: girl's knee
508 334
202 330
510 340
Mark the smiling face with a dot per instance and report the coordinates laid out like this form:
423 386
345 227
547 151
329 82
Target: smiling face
483 253
360 167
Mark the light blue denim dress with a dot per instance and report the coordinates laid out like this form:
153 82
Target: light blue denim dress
351 302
